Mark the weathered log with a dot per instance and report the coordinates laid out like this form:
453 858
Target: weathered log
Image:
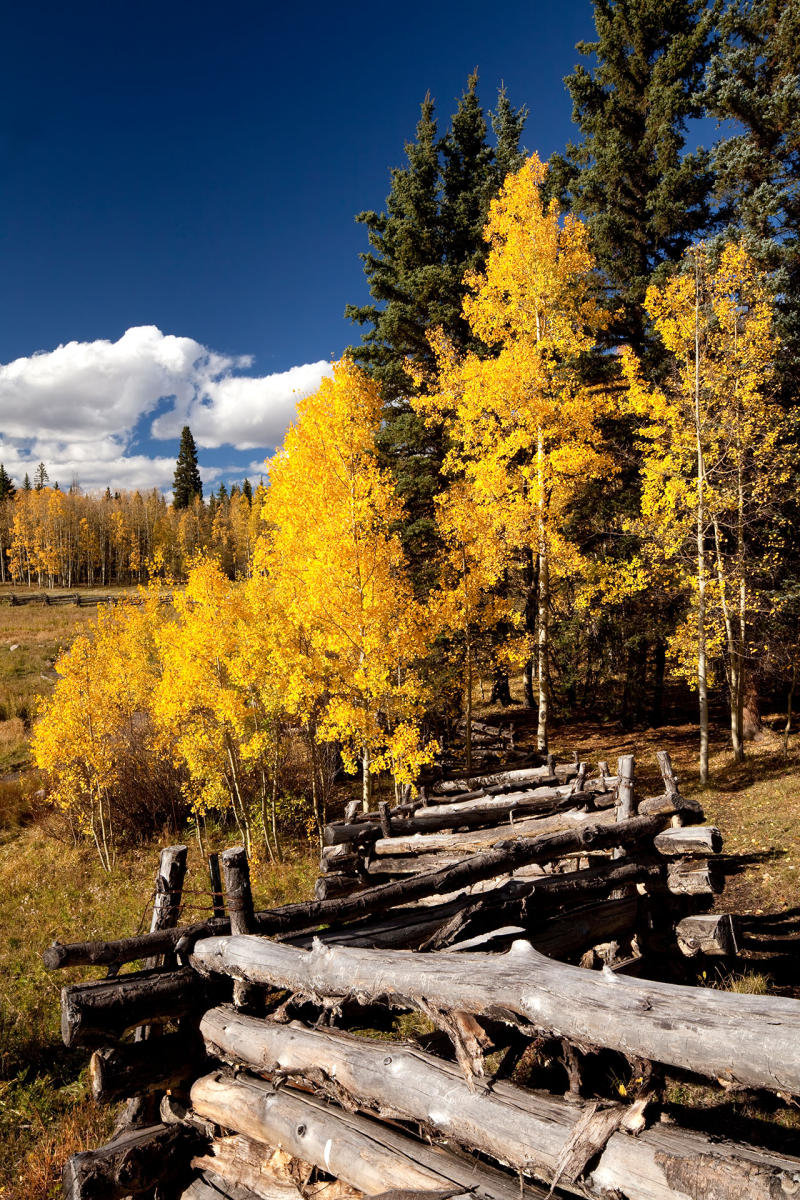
685 807
745 1039
695 877
478 839
696 839
712 933
209 1186
473 814
239 897
625 771
95 1013
134 1162
296 917
143 1067
519 776
517 1127
337 883
217 896
143 1110
368 1155
236 1161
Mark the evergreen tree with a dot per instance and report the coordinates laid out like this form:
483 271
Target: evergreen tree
222 494
247 491
7 489
507 126
645 198
430 234
26 483
40 477
754 80
186 484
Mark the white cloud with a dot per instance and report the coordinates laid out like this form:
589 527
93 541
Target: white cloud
76 407
243 411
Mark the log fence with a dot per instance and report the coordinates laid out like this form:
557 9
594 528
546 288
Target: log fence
451 1017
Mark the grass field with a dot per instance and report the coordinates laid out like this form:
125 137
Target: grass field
52 888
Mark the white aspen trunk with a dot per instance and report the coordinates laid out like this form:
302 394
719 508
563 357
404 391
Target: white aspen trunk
702 668
544 605
468 640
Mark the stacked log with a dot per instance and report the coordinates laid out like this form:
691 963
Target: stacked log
265 1095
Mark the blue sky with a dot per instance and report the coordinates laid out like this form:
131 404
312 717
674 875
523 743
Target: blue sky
189 173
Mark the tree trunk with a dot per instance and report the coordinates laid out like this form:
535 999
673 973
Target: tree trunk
525 1130
543 647
134 1162
752 1040
365 1153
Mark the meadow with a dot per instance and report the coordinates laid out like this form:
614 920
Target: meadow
54 887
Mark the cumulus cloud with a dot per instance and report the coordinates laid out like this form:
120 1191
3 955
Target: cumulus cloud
77 407
243 411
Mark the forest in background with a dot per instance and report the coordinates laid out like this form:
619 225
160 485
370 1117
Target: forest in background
566 446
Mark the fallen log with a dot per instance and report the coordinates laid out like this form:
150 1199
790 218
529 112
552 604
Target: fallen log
136 1161
366 1154
210 1186
235 1161
134 1068
522 1129
297 917
519 776
407 928
695 877
95 1013
433 820
479 839
713 934
696 839
752 1040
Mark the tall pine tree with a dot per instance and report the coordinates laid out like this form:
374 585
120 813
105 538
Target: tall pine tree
754 80
430 234
7 489
645 198
187 483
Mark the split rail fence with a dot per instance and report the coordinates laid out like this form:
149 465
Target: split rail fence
526 926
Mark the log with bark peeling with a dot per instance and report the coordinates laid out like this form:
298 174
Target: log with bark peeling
526 1130
751 1040
137 1067
95 1013
134 1162
269 1173
368 1155
298 917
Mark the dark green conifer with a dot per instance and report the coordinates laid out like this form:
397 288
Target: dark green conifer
754 80
645 199
40 477
421 246
187 483
247 491
7 489
222 494
26 483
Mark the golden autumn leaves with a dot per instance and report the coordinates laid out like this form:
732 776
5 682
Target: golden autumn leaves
326 642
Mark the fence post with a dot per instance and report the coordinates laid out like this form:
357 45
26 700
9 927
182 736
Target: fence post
142 1110
236 873
216 885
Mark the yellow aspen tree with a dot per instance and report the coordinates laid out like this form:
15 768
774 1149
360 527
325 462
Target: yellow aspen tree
465 602
522 426
197 702
339 581
84 733
714 462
